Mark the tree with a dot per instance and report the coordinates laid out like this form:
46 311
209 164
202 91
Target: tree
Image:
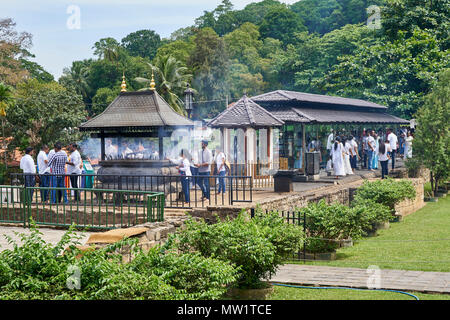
107 48
76 77
432 136
396 74
171 80
407 15
45 113
13 48
36 71
142 43
282 24
102 99
6 99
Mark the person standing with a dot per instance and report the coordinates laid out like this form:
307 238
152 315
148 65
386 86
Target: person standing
355 154
393 142
337 155
29 170
185 171
330 142
365 148
371 150
74 168
44 172
383 154
347 153
204 169
57 164
408 145
221 169
375 153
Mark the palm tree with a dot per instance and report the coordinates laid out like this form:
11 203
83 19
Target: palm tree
77 77
171 80
6 98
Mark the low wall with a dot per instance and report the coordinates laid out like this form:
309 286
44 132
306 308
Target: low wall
407 206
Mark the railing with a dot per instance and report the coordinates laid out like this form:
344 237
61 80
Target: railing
291 217
84 207
262 173
237 188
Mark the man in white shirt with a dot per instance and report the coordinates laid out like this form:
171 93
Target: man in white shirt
74 167
44 172
111 151
221 169
29 170
204 168
127 153
371 149
354 153
393 142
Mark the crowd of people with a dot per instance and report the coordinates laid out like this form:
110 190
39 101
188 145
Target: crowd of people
200 167
53 166
373 149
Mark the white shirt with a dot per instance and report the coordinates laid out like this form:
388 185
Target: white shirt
27 164
392 140
111 152
330 141
384 156
371 141
186 168
126 152
205 156
41 158
349 148
50 154
75 158
354 144
220 161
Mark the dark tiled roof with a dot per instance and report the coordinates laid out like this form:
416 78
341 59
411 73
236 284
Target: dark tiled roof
246 113
141 109
284 95
347 116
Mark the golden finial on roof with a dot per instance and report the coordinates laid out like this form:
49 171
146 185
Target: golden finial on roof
124 84
152 82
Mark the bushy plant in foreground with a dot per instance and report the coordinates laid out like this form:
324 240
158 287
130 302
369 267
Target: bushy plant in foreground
388 192
38 270
256 246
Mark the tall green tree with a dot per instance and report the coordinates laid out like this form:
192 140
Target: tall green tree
432 136
108 49
77 77
171 78
6 100
142 43
45 113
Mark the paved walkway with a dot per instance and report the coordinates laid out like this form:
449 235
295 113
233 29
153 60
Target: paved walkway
49 235
421 281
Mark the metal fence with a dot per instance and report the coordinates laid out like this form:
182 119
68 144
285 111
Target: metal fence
83 207
237 188
291 217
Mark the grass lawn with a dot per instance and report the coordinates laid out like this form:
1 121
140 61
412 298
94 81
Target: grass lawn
399 247
285 293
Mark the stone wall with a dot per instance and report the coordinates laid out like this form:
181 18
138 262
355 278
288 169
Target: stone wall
407 206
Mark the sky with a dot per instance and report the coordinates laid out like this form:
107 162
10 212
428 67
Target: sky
65 30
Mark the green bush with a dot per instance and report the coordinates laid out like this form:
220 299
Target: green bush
256 246
388 192
326 224
38 270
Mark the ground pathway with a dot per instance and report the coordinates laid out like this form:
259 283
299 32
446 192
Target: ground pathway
420 281
49 235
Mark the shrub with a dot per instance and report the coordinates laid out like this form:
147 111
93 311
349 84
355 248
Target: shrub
328 223
374 211
388 192
256 246
38 270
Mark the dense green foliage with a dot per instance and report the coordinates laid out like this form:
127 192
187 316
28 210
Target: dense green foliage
38 270
256 246
388 192
432 137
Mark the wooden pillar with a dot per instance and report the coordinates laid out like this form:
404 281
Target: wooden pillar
303 148
102 146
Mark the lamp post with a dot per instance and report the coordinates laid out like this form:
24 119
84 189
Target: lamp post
188 100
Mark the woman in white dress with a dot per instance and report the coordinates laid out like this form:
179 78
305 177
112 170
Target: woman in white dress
347 152
337 154
408 145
